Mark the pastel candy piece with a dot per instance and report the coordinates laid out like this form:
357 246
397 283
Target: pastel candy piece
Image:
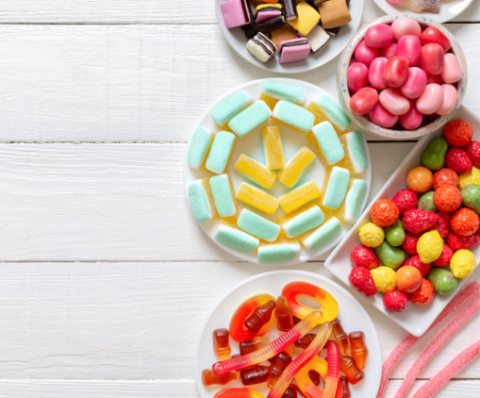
273 148
380 116
357 75
334 14
432 6
220 152
431 99
379 35
294 116
258 226
317 38
354 200
365 54
415 83
280 252
394 101
296 167
293 50
452 71
412 119
389 51
364 100
261 47
201 201
410 47
326 145
250 118
327 108
228 235
356 159
449 100
396 71
255 171
432 59
267 14
284 91
302 221
300 196
433 35
308 18
235 13
257 198
199 146
228 108
406 26
336 188
223 195
285 33
375 73
322 235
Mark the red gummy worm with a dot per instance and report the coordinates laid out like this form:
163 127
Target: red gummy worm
333 372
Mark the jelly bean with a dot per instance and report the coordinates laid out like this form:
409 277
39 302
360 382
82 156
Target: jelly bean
390 256
357 75
389 51
431 99
364 100
406 26
379 35
410 47
412 119
394 102
443 281
425 202
452 71
433 156
449 100
395 234
433 60
379 115
375 73
433 35
471 197
434 79
396 71
365 54
415 83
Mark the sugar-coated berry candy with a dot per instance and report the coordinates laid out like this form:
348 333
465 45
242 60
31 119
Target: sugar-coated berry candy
452 71
410 244
472 177
433 60
392 257
447 198
433 35
458 242
445 257
473 152
384 212
379 35
415 83
434 154
458 132
395 301
363 256
463 263
394 101
449 100
408 279
458 160
431 99
364 101
365 54
412 119
424 295
405 199
443 224
380 116
464 222
406 26
415 262
416 220
445 176
389 51
471 197
396 71
430 246
410 47
420 179
357 75
443 281
362 281
375 73
371 235
384 279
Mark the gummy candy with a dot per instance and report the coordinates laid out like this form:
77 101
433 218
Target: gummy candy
284 314
333 372
296 167
255 171
279 363
358 348
341 337
221 343
257 198
260 317
346 393
238 393
350 369
256 375
298 197
308 386
210 378
273 148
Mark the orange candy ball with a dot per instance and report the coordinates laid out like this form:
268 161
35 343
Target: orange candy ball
447 198
408 279
420 179
464 222
384 213
445 176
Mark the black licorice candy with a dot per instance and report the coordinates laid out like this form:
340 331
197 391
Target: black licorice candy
290 10
264 26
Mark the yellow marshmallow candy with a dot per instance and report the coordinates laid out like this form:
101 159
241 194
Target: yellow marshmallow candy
273 148
255 171
296 167
308 18
257 198
300 196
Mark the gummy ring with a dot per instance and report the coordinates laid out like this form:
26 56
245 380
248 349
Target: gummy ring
238 331
328 304
238 393
304 381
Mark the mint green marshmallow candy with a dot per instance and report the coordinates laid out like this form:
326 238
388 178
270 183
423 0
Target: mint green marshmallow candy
198 149
329 143
222 196
322 235
337 188
220 152
258 226
250 118
227 109
284 91
236 239
279 253
294 115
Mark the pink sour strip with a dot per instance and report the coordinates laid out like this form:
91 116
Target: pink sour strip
472 289
456 365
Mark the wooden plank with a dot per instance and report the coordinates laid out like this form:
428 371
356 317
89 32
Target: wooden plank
132 82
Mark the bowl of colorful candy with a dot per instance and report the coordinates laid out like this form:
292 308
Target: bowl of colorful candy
402 77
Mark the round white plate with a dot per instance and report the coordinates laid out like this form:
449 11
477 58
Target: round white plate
237 40
449 9
352 315
251 145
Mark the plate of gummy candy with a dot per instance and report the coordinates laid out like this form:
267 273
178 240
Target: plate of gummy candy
288 334
274 174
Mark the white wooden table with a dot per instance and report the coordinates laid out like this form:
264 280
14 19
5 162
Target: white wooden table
105 278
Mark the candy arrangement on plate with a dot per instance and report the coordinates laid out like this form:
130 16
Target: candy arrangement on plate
274 175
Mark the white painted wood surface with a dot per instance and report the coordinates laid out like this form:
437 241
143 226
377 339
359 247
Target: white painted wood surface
105 280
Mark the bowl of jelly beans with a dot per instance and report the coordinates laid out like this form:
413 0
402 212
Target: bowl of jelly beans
402 77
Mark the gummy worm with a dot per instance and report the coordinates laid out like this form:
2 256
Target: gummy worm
455 366
410 340
272 349
442 338
299 362
333 372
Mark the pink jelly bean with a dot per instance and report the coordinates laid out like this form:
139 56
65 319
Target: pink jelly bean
449 100
378 36
432 58
452 71
431 99
434 79
364 100
396 71
394 101
365 54
410 47
357 75
375 73
415 83
389 51
433 35
406 26
412 119
380 116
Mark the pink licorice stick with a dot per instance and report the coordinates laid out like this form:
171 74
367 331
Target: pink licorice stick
333 372
455 366
443 337
275 347
410 340
299 362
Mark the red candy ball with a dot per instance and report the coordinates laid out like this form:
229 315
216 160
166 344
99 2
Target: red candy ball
424 295
445 257
443 224
410 244
384 212
464 222
458 133
395 301
458 160
405 199
445 176
459 242
447 198
473 152
415 262
362 281
363 256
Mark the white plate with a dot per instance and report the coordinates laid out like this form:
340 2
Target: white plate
449 9
251 145
237 40
416 320
351 313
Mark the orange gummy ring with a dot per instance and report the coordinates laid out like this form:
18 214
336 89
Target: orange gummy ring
238 393
305 383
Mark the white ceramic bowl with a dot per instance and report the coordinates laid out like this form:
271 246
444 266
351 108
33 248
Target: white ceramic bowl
237 40
393 134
